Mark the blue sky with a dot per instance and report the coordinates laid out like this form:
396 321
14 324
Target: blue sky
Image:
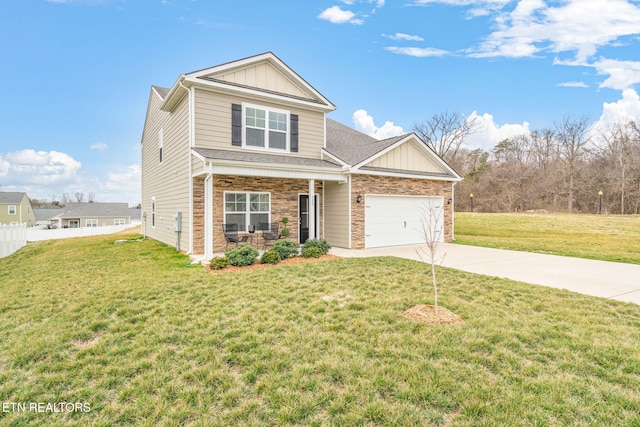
77 73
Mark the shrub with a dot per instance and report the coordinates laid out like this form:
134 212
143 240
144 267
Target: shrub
270 257
219 262
311 252
285 231
285 248
242 255
321 244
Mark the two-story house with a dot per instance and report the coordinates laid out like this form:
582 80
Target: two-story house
15 208
248 142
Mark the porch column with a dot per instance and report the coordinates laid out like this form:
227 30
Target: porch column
311 214
208 216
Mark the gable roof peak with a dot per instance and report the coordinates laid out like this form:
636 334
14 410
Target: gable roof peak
13 197
262 76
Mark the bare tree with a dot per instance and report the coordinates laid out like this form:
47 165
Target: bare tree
432 221
513 156
446 132
572 135
79 197
91 198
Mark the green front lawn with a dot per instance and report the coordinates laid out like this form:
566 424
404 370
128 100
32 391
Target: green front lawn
145 339
603 237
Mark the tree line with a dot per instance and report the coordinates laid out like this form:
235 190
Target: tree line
571 167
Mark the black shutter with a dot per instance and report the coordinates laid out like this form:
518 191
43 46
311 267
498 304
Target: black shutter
293 118
236 124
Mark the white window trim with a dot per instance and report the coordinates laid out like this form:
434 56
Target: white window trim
248 207
92 221
15 210
119 221
287 148
153 212
161 146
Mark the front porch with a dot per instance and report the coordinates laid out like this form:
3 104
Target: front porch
253 201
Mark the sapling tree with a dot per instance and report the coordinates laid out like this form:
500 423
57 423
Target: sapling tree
432 219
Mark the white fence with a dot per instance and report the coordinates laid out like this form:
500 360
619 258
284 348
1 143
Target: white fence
34 234
12 238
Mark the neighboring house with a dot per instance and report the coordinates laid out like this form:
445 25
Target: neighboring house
47 217
75 215
15 208
248 142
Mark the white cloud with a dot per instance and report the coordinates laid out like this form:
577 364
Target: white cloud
489 133
418 52
364 123
622 74
99 146
625 109
402 36
573 84
38 167
578 26
336 15
122 185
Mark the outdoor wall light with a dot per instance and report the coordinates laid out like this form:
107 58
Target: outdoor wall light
359 198
449 201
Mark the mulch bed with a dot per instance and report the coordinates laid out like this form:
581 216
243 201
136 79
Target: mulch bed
427 314
293 260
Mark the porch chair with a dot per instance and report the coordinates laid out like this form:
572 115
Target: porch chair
231 234
269 232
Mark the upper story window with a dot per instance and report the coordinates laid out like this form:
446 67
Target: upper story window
12 209
266 128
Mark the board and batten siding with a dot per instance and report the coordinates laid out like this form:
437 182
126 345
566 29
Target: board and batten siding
336 214
167 182
264 76
405 157
213 124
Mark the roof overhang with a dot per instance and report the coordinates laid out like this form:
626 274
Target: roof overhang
269 170
405 174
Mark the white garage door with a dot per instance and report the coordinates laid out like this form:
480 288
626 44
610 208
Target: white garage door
400 220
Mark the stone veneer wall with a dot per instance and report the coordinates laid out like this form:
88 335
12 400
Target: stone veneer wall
284 202
198 215
373 184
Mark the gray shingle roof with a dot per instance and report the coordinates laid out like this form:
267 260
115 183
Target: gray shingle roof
352 146
11 198
252 157
44 214
77 210
162 91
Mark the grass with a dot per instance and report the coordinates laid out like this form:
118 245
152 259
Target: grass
603 237
146 340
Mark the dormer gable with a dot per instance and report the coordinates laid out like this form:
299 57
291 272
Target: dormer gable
263 76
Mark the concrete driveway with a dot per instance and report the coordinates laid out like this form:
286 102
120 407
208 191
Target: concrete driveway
597 278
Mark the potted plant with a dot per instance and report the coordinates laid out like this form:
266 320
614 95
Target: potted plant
285 231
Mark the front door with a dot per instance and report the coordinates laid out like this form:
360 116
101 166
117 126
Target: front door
303 213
